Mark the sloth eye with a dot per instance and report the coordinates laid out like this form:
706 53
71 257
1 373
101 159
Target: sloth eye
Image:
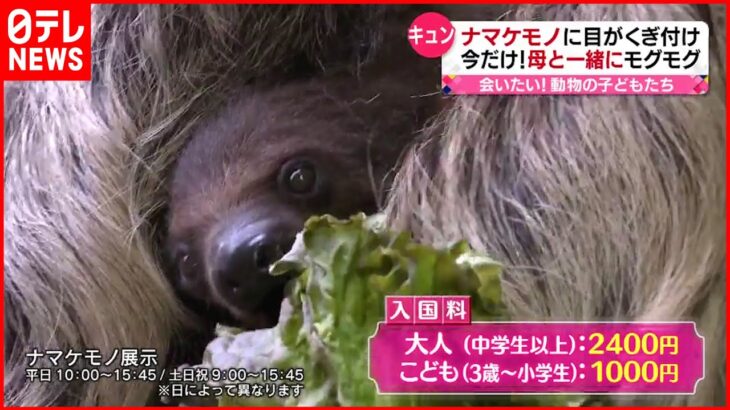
298 177
185 263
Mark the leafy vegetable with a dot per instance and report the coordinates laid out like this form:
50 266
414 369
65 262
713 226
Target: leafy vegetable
345 268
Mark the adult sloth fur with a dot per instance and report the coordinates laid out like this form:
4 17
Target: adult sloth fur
603 208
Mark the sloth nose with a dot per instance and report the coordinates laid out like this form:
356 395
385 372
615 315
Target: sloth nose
240 263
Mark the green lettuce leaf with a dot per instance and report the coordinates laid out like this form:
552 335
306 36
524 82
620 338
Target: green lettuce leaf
345 269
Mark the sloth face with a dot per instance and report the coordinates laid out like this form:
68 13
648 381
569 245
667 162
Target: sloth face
250 177
222 260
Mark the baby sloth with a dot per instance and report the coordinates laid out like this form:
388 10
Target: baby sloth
274 156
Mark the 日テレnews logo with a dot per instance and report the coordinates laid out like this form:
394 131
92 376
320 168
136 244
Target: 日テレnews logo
46 41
